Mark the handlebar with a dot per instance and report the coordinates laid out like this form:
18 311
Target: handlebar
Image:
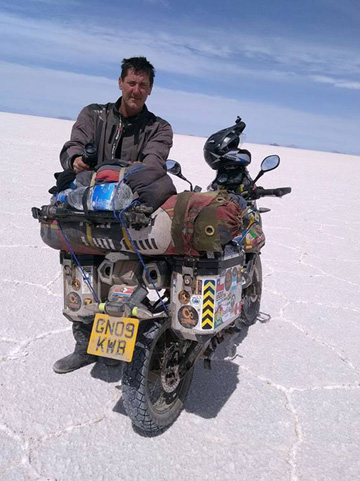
259 192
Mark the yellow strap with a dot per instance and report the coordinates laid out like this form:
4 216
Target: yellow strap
127 240
89 234
92 182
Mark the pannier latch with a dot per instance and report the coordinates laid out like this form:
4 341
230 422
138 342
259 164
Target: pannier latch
188 273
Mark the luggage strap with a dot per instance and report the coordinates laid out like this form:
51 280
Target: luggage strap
187 208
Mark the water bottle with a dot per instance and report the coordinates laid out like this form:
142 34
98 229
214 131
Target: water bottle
61 196
109 196
123 196
75 198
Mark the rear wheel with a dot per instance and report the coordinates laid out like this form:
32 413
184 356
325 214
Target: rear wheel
251 296
152 389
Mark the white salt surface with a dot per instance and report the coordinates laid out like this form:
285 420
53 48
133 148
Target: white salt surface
282 401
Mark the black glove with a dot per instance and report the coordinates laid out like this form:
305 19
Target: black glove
63 181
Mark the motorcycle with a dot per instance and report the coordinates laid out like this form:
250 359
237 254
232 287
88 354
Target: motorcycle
154 307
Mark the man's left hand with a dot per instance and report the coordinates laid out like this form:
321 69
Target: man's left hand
79 165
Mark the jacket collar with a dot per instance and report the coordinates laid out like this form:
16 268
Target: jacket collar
134 118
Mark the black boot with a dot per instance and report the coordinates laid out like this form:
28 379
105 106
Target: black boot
79 357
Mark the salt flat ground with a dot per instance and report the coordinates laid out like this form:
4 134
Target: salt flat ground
282 401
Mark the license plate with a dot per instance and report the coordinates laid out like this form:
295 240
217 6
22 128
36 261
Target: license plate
113 337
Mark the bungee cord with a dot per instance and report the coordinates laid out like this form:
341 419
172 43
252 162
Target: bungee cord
119 216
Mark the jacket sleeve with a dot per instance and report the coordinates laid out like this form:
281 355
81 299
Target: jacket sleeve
151 182
83 131
157 148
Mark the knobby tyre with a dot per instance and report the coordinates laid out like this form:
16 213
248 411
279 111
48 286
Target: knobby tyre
152 391
252 296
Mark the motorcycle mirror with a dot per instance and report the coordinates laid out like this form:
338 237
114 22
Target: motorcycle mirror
173 167
269 163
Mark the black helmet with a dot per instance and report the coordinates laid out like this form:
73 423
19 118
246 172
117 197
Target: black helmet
222 143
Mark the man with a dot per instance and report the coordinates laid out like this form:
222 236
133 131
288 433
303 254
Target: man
123 130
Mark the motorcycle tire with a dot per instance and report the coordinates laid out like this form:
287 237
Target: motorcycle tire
152 395
251 296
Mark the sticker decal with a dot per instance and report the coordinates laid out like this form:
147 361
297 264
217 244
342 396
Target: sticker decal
195 301
76 284
239 275
228 279
218 316
73 301
188 317
89 274
220 285
122 290
184 297
207 321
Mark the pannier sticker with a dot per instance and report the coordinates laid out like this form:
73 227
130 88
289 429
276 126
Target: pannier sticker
237 309
248 238
218 316
220 284
67 270
228 279
220 296
239 275
184 297
195 301
122 291
234 276
73 301
208 307
89 276
188 317
76 284
226 305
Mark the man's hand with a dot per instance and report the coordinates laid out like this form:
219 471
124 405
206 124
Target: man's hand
79 165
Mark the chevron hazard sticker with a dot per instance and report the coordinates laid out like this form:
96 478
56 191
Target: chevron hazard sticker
207 320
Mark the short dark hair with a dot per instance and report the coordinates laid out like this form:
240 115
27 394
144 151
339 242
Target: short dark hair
139 65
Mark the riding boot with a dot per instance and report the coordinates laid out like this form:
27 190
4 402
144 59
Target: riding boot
79 357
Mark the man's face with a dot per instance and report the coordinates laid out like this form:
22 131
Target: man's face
135 90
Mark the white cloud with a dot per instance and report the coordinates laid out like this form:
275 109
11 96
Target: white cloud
345 84
197 52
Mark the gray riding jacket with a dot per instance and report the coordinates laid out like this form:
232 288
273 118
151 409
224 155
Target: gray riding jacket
142 138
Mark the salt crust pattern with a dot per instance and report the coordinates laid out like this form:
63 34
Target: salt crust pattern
282 401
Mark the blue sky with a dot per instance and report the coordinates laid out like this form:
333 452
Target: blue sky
291 70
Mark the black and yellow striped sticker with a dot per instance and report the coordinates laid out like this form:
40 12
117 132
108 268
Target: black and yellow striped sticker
207 320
